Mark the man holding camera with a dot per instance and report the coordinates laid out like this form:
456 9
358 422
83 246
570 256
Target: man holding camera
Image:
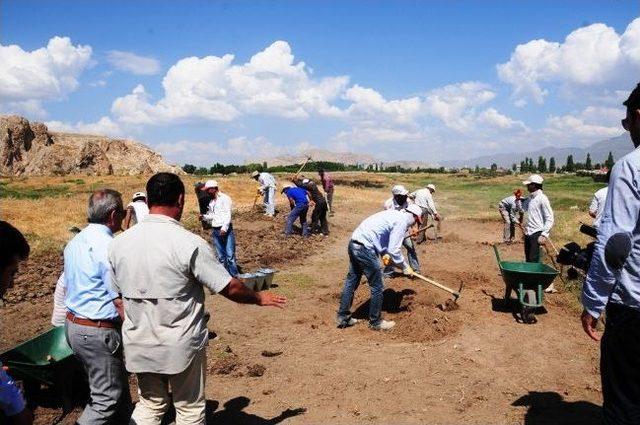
613 283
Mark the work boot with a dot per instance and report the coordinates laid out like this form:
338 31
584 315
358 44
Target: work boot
347 323
384 325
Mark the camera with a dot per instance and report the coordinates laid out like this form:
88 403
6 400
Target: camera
579 258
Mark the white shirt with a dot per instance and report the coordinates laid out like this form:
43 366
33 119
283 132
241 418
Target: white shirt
161 269
539 213
597 205
59 314
266 180
219 212
424 199
140 210
509 203
384 232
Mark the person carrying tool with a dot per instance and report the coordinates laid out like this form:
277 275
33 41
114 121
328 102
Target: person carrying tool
399 201
597 203
299 203
222 235
161 270
319 223
14 249
94 311
424 199
137 210
328 187
612 285
267 190
379 235
508 208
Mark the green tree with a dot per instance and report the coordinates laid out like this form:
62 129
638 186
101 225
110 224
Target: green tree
542 164
587 163
609 162
189 169
477 169
552 165
514 167
570 167
494 167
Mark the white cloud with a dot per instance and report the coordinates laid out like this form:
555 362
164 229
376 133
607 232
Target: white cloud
135 64
368 104
98 83
455 104
105 126
493 118
591 124
592 56
47 73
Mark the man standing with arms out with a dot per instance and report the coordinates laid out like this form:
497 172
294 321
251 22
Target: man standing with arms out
597 203
299 202
613 283
94 311
327 186
161 270
267 190
508 208
539 218
137 210
379 235
13 249
424 199
399 201
219 215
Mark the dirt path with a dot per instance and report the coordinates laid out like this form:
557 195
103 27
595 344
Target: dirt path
471 365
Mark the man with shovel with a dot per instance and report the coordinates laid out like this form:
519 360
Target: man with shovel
267 190
399 201
424 199
380 235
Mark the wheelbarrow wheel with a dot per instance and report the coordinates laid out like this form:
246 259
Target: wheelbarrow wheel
527 312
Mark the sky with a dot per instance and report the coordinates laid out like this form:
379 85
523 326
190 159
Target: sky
212 81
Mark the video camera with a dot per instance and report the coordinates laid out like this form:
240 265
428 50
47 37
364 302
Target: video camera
572 254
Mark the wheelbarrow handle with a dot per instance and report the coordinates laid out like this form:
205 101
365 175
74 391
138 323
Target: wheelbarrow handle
495 249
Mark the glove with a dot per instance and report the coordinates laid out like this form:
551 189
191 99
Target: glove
386 259
542 240
259 192
408 271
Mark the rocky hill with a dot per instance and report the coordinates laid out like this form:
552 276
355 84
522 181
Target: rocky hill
30 149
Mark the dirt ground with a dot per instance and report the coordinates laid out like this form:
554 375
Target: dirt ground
475 364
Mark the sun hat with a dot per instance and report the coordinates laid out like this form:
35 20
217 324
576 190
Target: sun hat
210 184
399 190
139 195
431 186
255 174
533 178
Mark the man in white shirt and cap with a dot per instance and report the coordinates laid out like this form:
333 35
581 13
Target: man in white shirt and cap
399 201
539 218
219 216
267 190
597 203
424 199
137 210
380 235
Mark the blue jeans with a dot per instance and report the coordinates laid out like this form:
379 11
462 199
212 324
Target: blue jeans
226 249
363 261
270 200
298 211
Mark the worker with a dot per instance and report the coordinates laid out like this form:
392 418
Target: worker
399 201
161 269
219 215
539 219
378 235
299 203
94 311
14 249
512 215
328 187
424 199
612 284
59 313
267 190
319 223
137 210
597 203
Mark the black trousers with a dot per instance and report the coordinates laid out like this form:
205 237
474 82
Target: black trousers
620 365
319 222
532 247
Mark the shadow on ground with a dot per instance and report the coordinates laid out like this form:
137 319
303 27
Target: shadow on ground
549 408
391 303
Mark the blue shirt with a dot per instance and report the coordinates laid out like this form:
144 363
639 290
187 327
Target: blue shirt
88 274
384 232
298 195
11 399
620 215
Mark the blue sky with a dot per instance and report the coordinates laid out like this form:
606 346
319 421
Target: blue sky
420 80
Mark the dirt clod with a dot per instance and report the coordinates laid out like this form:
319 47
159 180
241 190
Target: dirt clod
256 370
267 353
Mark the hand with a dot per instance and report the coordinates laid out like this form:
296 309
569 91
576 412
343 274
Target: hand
589 325
223 232
200 217
386 259
436 217
259 192
542 240
408 271
269 299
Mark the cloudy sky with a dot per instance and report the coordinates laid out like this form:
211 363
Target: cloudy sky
205 81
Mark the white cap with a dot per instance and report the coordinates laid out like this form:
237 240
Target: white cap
139 195
431 186
255 174
533 178
305 181
399 190
210 184
414 209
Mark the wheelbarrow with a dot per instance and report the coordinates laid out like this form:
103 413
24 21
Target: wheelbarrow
529 280
46 360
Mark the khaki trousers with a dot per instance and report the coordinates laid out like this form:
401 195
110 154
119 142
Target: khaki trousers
187 393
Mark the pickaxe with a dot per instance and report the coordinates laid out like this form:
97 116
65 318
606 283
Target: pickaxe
456 294
303 165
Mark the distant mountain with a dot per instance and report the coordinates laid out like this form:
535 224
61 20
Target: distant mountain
599 151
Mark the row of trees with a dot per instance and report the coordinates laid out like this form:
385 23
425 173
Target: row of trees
528 165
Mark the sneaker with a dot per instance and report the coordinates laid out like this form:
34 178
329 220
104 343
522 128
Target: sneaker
345 324
384 325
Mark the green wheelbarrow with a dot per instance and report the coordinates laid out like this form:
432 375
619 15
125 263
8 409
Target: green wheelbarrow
529 280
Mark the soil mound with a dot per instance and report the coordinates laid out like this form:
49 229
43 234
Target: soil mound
30 149
36 278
